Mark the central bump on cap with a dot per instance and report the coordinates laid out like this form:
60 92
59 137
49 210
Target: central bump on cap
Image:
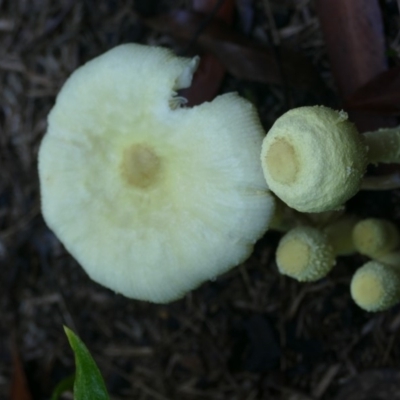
140 165
293 257
282 162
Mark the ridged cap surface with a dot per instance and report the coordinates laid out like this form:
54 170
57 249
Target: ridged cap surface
151 199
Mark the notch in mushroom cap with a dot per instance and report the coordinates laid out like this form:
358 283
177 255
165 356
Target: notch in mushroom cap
150 198
305 254
375 286
314 159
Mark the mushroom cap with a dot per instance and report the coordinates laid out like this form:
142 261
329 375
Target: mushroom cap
150 198
375 286
375 237
305 254
313 158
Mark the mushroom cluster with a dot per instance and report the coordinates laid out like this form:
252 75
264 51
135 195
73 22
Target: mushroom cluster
314 160
151 198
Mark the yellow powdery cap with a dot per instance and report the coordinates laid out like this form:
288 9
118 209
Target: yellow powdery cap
375 237
150 198
313 158
305 254
375 286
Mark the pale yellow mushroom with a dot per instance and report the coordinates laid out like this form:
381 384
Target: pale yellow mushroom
375 237
151 198
376 286
305 254
314 159
308 253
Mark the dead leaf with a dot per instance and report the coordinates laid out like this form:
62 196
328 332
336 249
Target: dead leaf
381 95
208 77
353 32
206 81
242 58
355 41
224 12
19 383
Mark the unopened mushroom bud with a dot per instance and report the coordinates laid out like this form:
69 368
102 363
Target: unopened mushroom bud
314 159
375 237
305 254
151 198
376 286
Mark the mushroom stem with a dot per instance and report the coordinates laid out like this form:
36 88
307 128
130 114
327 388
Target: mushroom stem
383 145
340 235
322 219
384 182
375 286
286 218
392 259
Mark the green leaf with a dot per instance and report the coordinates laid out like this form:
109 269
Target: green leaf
65 385
89 383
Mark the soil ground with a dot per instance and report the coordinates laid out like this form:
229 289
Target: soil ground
252 333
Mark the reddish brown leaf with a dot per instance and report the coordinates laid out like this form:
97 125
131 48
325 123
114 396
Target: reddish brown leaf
208 77
381 95
19 385
225 11
353 32
206 81
355 41
241 57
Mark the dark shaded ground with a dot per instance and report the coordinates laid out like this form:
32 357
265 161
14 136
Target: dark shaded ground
251 334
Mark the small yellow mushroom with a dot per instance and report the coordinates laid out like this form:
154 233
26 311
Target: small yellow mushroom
376 286
314 159
375 237
305 254
152 199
